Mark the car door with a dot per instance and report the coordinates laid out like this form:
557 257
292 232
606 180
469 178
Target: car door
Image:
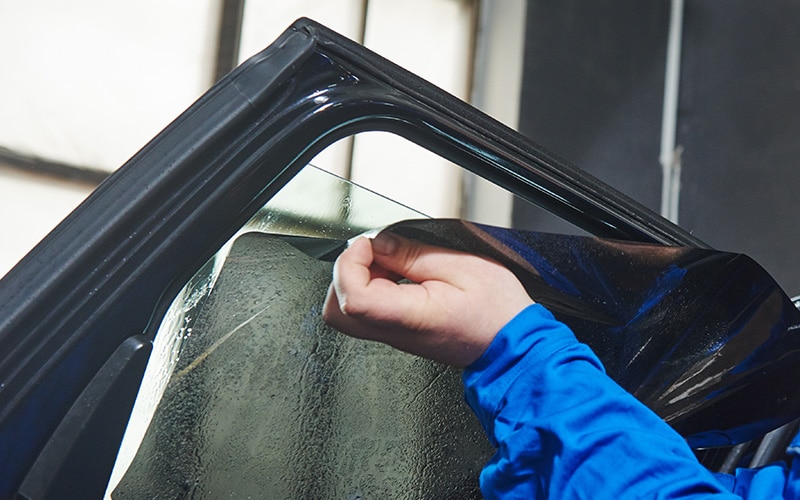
121 286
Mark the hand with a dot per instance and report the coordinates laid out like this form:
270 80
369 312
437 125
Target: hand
450 312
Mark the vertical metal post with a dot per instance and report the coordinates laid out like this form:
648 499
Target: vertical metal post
362 36
670 157
229 37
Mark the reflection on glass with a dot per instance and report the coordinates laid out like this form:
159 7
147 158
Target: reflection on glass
265 401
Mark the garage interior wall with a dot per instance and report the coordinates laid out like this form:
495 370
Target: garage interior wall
593 91
87 83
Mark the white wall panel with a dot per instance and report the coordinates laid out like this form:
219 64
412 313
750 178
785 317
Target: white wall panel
431 38
29 207
265 20
496 91
88 82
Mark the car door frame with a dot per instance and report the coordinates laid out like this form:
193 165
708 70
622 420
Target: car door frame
79 312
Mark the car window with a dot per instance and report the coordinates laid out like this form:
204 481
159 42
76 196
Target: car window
249 394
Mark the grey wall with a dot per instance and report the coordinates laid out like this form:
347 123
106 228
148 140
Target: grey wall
593 91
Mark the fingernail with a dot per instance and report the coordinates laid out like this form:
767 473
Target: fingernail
384 244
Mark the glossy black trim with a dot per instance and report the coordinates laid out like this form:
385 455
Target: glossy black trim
112 267
78 458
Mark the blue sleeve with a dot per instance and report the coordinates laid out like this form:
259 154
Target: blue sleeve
563 429
776 480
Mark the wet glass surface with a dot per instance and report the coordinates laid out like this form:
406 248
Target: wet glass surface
263 400
260 399
267 402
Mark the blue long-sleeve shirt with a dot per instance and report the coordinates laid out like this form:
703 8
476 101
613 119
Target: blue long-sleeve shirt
563 429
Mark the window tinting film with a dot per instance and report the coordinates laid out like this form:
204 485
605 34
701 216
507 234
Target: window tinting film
267 399
267 402
705 338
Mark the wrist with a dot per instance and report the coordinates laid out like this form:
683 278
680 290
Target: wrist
523 345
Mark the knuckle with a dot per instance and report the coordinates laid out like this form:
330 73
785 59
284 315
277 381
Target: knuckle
353 306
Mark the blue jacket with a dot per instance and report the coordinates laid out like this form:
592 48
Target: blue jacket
563 429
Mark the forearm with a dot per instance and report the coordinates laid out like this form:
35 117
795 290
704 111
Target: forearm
562 427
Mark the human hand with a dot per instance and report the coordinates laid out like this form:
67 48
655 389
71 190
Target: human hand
450 312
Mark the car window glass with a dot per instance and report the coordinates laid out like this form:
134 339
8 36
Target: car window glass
261 399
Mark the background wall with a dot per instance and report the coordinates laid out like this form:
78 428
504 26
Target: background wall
593 89
86 84
739 125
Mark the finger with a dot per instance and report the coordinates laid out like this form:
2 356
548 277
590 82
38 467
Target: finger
367 292
370 326
351 271
334 317
355 271
358 256
421 262
332 314
377 271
